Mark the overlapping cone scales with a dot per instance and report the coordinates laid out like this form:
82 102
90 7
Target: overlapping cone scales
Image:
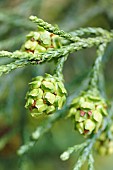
87 111
40 41
104 144
46 94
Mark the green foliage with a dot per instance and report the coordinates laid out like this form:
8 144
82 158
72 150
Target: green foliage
86 102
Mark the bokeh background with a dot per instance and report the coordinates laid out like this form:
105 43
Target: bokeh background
16 124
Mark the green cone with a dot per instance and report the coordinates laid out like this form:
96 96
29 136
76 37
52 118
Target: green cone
40 41
46 94
104 144
87 111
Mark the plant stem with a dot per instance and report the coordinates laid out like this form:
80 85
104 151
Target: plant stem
90 162
59 67
29 58
89 31
66 155
4 69
52 29
97 66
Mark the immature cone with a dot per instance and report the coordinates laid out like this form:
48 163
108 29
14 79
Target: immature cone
104 144
88 111
40 41
46 94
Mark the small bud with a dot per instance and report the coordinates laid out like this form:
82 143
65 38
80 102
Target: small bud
89 113
32 17
65 156
78 117
82 113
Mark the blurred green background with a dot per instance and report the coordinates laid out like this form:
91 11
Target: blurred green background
16 124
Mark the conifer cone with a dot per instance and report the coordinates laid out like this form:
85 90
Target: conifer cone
104 144
87 111
40 41
46 94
